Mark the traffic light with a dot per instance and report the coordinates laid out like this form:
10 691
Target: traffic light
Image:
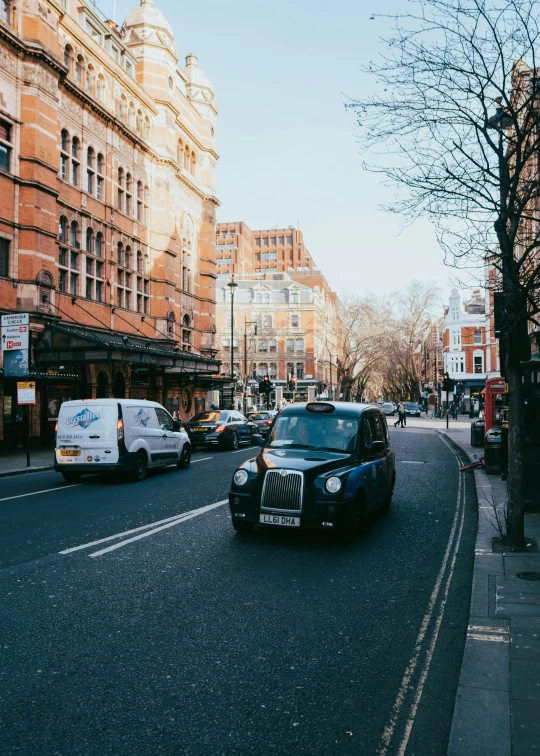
447 383
266 386
292 383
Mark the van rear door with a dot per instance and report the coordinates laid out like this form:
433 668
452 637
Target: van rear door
89 428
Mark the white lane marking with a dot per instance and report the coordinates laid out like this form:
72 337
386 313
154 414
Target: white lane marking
177 521
413 661
121 535
47 490
242 450
410 462
488 637
200 460
431 649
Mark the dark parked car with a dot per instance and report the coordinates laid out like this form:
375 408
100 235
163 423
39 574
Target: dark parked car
324 465
413 409
224 428
263 421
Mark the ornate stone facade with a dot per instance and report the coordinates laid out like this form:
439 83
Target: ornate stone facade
108 189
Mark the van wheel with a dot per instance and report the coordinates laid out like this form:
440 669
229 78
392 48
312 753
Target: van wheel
185 458
71 477
140 468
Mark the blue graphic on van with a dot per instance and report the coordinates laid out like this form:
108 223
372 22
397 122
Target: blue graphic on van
84 418
142 418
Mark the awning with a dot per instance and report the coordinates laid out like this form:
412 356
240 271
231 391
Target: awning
70 344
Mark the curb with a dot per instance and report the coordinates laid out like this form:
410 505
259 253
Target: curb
25 470
481 722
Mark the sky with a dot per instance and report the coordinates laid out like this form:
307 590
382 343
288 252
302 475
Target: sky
282 71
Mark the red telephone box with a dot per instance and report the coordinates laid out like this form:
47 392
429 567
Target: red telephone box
495 402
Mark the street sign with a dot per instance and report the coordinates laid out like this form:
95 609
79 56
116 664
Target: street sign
26 392
15 337
20 318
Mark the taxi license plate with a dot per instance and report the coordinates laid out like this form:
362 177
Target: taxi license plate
70 452
270 519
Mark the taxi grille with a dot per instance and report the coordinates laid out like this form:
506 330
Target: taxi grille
283 491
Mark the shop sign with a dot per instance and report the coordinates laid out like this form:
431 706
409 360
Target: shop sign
17 319
26 392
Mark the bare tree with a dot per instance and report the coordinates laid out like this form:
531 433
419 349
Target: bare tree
474 172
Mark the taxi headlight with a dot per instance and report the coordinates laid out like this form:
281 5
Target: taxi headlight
333 484
240 477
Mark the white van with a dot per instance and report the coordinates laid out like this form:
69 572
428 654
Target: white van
99 435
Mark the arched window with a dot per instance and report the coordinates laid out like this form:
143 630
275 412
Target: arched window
99 163
64 139
74 234
89 240
101 92
120 256
75 147
146 265
129 187
100 181
131 114
123 108
186 158
79 70
75 161
267 321
146 211
99 244
139 200
64 155
90 78
68 56
193 160
146 128
139 261
266 298
139 122
90 157
186 321
62 229
128 257
120 203
180 152
257 297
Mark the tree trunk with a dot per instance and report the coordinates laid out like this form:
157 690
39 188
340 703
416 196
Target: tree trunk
515 483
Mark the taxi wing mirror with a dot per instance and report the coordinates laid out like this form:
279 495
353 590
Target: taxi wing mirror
377 446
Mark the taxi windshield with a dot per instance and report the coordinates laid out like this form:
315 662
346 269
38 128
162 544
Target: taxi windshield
310 431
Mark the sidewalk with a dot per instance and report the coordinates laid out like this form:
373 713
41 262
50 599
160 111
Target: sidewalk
497 710
14 462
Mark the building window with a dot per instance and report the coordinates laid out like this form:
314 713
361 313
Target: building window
74 235
289 345
273 370
477 336
264 255
101 92
99 244
272 345
79 70
139 200
299 345
295 321
290 370
273 255
257 242
100 194
146 212
289 240
263 368
62 229
90 241
5 11
300 370
263 345
267 321
186 333
5 145
68 257
90 76
67 57
294 297
129 184
280 240
4 257
265 242
120 199
64 154
478 362
74 161
90 170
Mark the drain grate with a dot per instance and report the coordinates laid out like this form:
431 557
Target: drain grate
528 575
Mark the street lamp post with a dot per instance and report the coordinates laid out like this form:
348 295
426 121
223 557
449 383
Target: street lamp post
246 323
232 285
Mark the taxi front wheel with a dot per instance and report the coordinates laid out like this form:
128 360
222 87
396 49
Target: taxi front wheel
353 525
243 527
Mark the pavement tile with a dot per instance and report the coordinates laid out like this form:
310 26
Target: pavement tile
525 644
529 623
525 727
479 596
485 665
525 679
488 564
481 723
518 587
479 620
514 564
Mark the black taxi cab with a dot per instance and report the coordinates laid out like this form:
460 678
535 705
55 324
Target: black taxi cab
323 465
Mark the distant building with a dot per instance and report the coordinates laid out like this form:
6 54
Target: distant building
469 353
294 337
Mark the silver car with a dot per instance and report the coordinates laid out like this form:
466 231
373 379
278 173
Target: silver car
389 408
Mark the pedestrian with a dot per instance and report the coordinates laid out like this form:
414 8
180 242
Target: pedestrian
401 414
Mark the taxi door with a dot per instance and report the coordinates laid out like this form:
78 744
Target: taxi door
374 482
